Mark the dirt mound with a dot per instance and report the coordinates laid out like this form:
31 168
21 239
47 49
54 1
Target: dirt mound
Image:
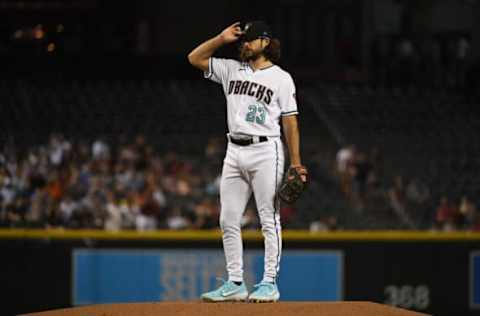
232 309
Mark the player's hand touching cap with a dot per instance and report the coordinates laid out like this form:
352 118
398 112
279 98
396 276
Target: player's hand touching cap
232 33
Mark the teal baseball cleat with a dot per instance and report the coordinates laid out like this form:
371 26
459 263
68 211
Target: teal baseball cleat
265 292
228 292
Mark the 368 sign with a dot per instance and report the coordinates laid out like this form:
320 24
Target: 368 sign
408 296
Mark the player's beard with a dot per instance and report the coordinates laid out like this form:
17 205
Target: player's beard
247 55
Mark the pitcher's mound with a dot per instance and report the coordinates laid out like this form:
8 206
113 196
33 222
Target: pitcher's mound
233 309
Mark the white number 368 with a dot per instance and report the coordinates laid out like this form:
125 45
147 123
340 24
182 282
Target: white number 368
407 296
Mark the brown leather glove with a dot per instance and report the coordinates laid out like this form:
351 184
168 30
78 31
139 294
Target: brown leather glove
294 184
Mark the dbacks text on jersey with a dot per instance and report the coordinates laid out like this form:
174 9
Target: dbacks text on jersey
252 89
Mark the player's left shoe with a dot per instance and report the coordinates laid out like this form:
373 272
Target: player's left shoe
228 292
265 292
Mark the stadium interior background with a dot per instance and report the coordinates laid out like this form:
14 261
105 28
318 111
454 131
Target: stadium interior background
104 124
110 140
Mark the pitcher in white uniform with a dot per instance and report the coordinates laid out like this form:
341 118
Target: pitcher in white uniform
259 95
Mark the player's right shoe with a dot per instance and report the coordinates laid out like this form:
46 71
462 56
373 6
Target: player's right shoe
228 292
265 293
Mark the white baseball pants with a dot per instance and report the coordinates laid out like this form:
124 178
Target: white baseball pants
256 168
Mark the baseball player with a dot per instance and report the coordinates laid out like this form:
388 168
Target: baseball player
259 95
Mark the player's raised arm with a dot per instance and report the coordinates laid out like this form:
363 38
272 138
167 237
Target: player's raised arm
200 55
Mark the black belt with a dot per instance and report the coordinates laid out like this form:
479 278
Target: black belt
247 141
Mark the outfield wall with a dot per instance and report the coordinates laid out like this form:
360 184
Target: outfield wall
436 273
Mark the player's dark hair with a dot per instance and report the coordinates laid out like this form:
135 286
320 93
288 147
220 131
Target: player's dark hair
272 51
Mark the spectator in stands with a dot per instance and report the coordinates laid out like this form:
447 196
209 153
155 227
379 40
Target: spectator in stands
214 149
142 153
417 192
213 184
12 217
467 213
118 214
100 149
53 217
40 203
82 216
288 213
475 223
446 215
177 220
66 208
206 214
418 200
15 212
329 223
148 210
397 199
3 217
361 171
345 160
7 190
54 186
376 174
93 212
59 148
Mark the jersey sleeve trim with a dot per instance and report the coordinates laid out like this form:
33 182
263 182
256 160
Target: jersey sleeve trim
207 74
295 112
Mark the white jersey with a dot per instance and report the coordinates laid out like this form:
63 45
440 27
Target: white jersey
255 99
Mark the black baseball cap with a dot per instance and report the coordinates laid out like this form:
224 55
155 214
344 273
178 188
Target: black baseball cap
256 29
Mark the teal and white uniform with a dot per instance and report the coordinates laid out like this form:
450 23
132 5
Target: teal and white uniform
256 100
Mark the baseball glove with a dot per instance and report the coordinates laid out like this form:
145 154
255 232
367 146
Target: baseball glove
293 185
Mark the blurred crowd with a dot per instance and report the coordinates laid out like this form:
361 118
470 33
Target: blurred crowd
116 185
365 185
108 186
